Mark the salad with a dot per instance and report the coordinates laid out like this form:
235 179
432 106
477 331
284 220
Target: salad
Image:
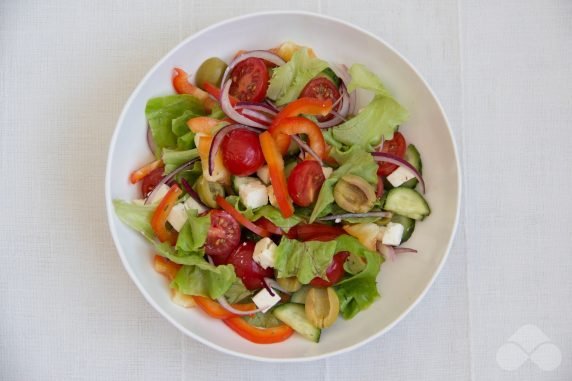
272 201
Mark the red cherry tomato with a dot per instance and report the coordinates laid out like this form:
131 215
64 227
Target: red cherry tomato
150 181
315 232
305 181
223 236
251 273
249 80
334 272
241 152
321 88
395 146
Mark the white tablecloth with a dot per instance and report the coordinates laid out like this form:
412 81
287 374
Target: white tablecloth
503 71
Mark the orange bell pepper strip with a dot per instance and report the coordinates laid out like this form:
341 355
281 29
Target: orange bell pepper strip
183 86
159 218
300 125
215 92
309 106
165 267
202 124
139 174
259 335
227 207
215 310
277 177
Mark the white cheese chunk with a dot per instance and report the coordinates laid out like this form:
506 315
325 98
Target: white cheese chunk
263 174
253 194
177 217
327 171
191 203
265 253
159 194
138 201
272 196
399 176
264 300
392 235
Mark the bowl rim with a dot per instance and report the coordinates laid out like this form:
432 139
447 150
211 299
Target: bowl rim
122 255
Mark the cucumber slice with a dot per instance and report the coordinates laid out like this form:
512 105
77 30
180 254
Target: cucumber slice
407 202
408 226
300 295
414 158
294 315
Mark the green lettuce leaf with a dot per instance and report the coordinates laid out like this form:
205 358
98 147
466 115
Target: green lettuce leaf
305 260
166 115
288 80
268 211
237 292
198 277
174 159
359 291
380 118
193 234
355 161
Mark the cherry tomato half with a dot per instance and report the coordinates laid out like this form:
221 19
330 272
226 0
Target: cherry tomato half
251 273
321 88
223 236
150 181
241 152
249 80
305 182
334 272
395 146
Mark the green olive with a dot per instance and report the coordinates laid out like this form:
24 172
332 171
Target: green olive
210 71
208 191
290 284
354 194
322 306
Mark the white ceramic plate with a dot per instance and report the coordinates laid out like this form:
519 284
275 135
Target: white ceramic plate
402 283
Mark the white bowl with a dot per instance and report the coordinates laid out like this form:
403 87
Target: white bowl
402 283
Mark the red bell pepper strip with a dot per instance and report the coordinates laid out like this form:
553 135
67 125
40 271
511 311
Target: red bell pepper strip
159 218
300 125
259 335
215 92
226 206
215 310
183 86
277 176
139 174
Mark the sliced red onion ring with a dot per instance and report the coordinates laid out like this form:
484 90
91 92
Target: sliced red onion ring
217 141
231 112
194 195
342 72
273 284
306 148
268 288
262 54
169 177
262 107
401 250
389 158
272 105
151 141
341 113
355 215
224 304
387 251
257 116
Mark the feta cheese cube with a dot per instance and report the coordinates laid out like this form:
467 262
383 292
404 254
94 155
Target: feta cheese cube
265 253
159 194
264 300
272 196
178 217
399 176
392 235
253 194
263 174
138 201
191 203
327 171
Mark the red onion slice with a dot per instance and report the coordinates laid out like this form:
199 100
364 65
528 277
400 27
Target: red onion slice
401 250
231 112
262 54
387 251
224 304
194 195
217 141
275 285
355 215
341 113
306 148
342 72
169 177
389 158
151 141
257 116
272 105
255 106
